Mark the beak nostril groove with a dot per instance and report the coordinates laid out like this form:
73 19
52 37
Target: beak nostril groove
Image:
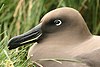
28 37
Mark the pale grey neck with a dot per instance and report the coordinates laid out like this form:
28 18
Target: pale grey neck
67 37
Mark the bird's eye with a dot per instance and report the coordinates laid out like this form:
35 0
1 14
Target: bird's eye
58 22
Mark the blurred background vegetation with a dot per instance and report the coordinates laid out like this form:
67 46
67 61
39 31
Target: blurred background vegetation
18 16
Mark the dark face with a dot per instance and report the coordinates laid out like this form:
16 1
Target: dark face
50 23
33 35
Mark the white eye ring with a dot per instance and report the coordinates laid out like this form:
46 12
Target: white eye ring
58 22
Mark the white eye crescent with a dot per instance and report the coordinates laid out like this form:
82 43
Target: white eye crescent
58 22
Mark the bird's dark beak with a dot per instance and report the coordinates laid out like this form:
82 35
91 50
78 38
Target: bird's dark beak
28 37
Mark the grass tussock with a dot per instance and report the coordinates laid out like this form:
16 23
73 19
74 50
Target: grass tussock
18 16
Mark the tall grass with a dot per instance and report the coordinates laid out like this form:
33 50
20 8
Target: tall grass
18 16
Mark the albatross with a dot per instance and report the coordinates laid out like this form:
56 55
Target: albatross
62 39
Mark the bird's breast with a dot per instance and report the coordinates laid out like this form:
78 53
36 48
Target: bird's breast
49 51
45 51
